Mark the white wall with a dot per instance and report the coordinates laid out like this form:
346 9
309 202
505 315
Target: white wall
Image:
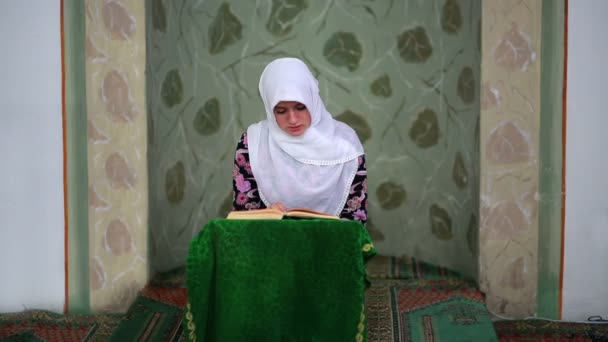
31 171
585 288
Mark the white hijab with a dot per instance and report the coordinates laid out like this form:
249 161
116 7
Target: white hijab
314 170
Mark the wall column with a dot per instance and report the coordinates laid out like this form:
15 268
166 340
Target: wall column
509 160
117 152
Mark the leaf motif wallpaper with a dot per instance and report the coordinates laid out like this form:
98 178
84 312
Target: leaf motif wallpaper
403 74
510 126
116 153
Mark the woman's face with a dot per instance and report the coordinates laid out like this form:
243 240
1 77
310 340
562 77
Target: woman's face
292 117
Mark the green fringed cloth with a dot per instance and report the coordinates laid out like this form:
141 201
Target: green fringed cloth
278 280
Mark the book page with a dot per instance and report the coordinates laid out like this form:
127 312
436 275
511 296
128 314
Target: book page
257 214
305 212
275 214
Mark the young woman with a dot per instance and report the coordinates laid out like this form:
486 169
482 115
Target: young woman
299 157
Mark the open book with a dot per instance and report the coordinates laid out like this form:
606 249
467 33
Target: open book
275 214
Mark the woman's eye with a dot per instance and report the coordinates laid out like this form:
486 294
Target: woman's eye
300 108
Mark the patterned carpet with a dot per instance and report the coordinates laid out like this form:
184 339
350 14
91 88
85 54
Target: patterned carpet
542 330
408 301
157 313
38 325
414 301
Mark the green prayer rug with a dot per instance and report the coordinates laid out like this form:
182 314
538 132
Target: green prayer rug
156 314
410 300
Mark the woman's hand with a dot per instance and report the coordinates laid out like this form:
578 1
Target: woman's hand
279 206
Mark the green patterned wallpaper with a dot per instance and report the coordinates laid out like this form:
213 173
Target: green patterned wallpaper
404 74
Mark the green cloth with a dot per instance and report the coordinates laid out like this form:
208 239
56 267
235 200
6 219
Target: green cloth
278 280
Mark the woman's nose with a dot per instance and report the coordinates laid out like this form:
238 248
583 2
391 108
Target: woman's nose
292 117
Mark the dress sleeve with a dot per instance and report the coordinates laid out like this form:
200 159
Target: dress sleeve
355 207
245 188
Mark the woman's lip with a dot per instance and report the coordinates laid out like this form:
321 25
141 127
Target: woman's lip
296 128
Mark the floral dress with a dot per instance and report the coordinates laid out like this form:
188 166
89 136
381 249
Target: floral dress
247 197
